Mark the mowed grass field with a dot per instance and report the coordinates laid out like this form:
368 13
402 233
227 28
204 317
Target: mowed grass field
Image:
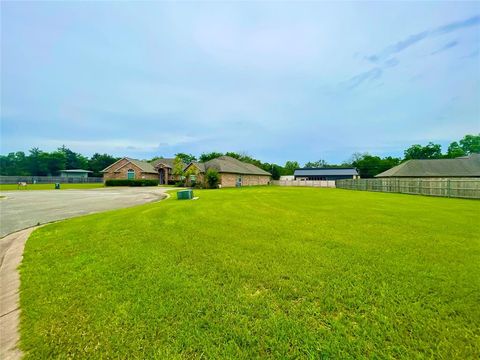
10 187
266 272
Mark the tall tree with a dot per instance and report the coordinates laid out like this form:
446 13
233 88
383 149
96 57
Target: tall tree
178 166
186 158
74 160
316 164
290 167
470 144
276 171
368 165
56 161
37 164
209 156
430 151
98 162
454 150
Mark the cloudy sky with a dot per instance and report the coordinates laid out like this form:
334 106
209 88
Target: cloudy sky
278 80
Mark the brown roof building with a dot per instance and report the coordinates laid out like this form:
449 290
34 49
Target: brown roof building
461 167
127 168
232 172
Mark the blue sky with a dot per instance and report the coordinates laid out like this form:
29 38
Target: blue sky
278 80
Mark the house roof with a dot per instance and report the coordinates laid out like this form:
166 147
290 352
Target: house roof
325 171
465 166
144 166
200 166
76 171
168 162
227 164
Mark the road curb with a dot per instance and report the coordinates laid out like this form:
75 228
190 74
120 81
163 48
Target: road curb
10 295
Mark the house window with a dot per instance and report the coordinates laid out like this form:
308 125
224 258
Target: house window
239 181
131 174
193 177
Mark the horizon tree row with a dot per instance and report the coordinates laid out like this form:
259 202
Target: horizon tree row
43 163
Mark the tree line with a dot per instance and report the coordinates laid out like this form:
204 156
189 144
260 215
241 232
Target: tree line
42 163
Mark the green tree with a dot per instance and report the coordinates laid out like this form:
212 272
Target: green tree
98 162
430 151
74 160
316 164
276 171
178 166
189 173
56 161
14 164
368 165
37 162
186 158
290 167
470 144
212 178
454 150
209 156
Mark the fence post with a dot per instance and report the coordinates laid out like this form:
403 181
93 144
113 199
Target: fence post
448 187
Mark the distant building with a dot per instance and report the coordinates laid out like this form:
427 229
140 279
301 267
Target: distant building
287 178
461 167
232 172
74 173
325 173
133 169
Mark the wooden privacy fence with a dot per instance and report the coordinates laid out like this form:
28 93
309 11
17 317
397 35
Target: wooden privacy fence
48 179
314 183
457 188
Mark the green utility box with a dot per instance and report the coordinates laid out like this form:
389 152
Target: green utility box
57 186
185 195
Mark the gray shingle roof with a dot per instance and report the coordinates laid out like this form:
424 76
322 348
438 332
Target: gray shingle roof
325 171
145 166
227 164
465 166
167 162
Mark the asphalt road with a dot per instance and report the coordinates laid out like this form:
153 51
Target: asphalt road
24 208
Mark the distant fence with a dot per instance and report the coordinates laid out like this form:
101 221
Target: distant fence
48 180
311 183
457 188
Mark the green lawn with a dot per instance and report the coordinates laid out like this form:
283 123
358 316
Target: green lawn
9 187
258 272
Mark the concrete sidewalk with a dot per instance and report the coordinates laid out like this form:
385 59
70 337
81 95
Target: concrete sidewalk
9 294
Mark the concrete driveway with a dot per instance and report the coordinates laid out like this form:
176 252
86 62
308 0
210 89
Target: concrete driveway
24 208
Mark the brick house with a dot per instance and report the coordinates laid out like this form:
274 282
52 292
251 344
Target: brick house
127 168
232 172
164 167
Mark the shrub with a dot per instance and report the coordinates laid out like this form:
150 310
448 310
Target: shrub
127 182
212 178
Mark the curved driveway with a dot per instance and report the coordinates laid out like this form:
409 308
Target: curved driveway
24 208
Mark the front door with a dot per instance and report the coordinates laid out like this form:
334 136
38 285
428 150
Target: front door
161 173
